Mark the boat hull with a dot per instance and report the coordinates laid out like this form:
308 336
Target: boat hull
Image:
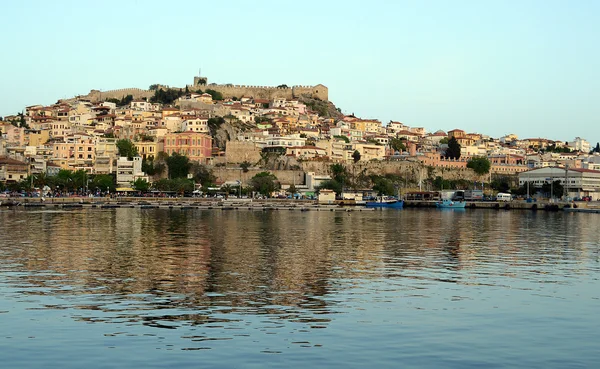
390 205
450 205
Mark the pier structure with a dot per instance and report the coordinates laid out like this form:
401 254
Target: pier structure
274 204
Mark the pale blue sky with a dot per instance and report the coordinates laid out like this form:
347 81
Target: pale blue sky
493 67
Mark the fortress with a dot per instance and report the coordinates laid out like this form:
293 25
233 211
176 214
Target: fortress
227 90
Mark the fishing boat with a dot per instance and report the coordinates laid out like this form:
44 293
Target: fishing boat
381 202
449 204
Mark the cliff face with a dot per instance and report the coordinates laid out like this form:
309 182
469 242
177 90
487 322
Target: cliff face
228 131
325 109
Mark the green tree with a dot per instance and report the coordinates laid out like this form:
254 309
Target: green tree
339 173
264 183
331 184
153 167
444 141
126 100
397 145
153 87
80 178
179 166
344 138
102 182
292 190
245 165
356 156
203 175
261 119
163 184
216 95
64 179
384 186
521 190
214 124
40 180
500 184
227 189
440 183
480 165
556 188
453 150
22 121
141 184
127 148
166 96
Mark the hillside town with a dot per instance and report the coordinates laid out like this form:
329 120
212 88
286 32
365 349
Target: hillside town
205 136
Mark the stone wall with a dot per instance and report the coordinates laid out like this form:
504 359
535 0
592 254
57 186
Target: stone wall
285 177
237 152
97 96
406 169
229 90
266 92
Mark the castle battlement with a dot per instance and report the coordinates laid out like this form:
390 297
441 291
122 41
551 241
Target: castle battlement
227 90
265 92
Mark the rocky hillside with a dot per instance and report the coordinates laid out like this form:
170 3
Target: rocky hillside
323 108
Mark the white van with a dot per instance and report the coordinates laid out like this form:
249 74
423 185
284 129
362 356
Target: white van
503 197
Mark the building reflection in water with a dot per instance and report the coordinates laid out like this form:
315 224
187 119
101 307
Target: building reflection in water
198 265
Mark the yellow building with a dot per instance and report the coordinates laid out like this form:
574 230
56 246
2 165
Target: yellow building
371 126
149 149
37 138
12 170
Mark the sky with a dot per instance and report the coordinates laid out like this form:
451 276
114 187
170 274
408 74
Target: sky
528 67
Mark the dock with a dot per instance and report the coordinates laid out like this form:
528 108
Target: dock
182 204
498 205
185 203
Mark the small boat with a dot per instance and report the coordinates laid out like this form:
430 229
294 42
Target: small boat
381 202
9 203
449 204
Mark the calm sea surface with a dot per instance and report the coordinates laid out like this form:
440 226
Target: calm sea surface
131 288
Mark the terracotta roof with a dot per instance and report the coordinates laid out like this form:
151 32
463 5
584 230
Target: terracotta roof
581 170
11 161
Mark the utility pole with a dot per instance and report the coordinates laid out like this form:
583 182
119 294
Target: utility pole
566 182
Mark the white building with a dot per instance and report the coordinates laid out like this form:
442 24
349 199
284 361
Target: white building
141 105
580 144
195 125
578 182
129 170
283 141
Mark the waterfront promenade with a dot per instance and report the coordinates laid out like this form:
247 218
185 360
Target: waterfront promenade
270 204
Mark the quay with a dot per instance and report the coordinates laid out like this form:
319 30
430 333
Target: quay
182 203
499 205
185 203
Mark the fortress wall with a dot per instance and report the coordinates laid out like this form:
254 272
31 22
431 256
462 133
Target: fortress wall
137 93
266 92
258 92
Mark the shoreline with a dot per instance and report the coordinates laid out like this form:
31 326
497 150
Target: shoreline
185 203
